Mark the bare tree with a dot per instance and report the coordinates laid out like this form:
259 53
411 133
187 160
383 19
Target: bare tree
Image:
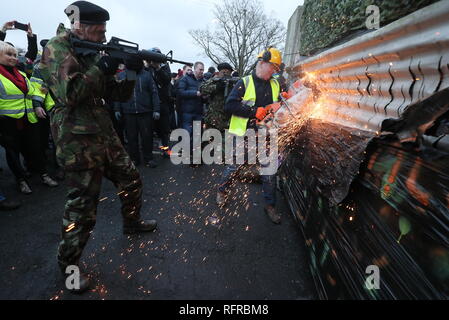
242 31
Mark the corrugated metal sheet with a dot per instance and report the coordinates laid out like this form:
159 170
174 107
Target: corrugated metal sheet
378 75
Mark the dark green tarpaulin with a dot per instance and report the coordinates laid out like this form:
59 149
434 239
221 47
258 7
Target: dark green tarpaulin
395 217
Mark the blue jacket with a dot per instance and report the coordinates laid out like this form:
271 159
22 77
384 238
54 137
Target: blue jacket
145 97
187 90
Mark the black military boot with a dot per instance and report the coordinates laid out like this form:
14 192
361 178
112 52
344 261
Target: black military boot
133 227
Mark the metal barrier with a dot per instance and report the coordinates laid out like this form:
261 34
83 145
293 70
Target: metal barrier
378 75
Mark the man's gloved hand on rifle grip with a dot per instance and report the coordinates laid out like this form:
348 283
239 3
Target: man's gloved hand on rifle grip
108 65
221 84
134 63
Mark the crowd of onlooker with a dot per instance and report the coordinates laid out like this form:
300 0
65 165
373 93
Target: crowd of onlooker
162 101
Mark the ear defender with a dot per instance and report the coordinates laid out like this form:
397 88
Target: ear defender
267 55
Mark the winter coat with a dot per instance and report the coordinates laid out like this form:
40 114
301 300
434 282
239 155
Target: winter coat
187 90
145 96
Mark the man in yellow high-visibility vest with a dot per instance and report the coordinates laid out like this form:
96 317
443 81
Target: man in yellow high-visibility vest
247 102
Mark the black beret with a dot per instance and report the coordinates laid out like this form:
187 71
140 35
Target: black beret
224 65
44 42
89 13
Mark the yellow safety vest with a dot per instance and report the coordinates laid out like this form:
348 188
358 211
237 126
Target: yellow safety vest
47 100
238 125
13 102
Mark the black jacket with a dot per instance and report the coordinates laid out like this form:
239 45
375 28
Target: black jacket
264 97
187 89
145 97
163 81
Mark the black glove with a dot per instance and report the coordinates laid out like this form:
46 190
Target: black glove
108 65
221 84
134 63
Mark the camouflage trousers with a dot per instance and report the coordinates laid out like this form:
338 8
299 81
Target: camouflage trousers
97 158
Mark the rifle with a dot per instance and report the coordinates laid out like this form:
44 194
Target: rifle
229 83
122 49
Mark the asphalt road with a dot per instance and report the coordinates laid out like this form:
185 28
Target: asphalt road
245 256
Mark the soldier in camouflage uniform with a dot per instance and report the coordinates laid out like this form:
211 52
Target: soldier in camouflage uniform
87 146
217 88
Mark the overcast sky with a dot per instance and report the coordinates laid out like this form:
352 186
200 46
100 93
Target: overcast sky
150 23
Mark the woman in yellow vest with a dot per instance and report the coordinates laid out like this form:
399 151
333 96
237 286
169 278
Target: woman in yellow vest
247 103
41 96
18 120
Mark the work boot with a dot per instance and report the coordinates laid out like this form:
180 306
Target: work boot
8 205
139 226
221 199
24 187
48 181
271 212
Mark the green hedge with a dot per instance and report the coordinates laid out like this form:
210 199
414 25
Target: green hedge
325 22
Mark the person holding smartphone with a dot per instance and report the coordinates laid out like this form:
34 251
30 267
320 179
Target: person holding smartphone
32 38
18 120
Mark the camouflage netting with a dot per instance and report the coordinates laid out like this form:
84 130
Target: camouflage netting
326 22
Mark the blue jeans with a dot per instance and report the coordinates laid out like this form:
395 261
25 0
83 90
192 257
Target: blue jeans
187 121
268 183
187 124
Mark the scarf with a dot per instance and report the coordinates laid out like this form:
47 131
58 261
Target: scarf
15 77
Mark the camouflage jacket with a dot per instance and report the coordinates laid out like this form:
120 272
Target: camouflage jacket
78 88
215 88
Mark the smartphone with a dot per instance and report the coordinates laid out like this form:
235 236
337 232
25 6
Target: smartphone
21 26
